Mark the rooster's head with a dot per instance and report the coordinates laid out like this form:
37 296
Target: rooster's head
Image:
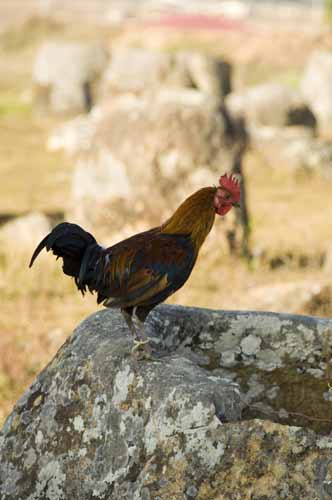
228 194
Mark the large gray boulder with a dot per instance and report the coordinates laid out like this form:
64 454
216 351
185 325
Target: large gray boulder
96 425
22 232
208 74
316 87
147 154
64 75
271 104
75 135
294 148
138 71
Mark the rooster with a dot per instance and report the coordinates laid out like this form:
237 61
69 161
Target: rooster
142 271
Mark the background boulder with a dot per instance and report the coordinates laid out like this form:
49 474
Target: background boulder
293 147
316 87
23 232
138 71
208 74
271 104
64 75
75 135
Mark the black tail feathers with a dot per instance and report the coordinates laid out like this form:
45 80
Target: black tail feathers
78 250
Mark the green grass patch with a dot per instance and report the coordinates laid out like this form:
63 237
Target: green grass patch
13 105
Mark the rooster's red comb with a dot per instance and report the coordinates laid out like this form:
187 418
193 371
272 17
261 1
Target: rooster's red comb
231 184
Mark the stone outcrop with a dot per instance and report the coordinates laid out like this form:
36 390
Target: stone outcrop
271 104
316 88
138 71
208 74
65 73
293 147
76 135
183 425
23 232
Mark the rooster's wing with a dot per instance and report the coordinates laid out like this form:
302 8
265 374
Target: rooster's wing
144 270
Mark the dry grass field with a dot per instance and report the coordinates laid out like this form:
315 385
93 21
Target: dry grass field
291 213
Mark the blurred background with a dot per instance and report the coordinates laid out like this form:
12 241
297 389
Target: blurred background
112 112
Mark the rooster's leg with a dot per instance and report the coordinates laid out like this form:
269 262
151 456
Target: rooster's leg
140 338
128 319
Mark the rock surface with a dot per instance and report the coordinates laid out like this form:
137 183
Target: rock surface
271 104
75 135
24 231
294 148
64 75
137 71
207 74
316 87
94 425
